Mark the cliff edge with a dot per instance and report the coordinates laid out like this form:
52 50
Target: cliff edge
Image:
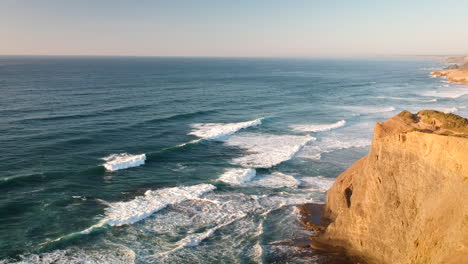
407 200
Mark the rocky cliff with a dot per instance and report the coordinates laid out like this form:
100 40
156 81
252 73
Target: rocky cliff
453 75
407 200
456 73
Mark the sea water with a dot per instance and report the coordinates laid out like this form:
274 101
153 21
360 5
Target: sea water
187 160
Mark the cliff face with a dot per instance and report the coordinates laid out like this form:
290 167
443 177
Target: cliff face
407 200
456 73
453 75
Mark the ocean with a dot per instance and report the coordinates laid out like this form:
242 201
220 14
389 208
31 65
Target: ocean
187 160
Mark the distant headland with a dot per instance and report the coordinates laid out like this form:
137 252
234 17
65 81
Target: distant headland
456 72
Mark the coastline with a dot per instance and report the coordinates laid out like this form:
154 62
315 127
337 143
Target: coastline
459 76
456 72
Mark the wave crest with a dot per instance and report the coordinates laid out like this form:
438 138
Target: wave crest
123 161
220 131
237 176
369 109
318 128
267 150
123 213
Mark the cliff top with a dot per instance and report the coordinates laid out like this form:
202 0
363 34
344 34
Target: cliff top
426 121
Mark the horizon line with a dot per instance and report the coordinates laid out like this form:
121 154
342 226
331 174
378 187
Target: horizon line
422 56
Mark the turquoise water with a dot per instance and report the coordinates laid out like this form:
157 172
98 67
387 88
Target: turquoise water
230 146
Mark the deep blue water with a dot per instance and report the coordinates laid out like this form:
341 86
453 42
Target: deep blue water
224 196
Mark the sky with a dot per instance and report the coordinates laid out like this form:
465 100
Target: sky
235 28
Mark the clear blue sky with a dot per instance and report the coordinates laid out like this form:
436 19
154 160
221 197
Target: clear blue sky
234 28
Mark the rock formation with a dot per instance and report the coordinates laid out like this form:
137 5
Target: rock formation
407 200
456 73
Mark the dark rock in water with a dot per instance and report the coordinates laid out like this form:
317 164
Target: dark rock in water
311 215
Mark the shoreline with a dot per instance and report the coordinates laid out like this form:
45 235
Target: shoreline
456 72
312 218
459 76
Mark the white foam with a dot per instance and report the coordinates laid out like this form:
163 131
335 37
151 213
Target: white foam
429 69
141 207
317 183
332 143
267 150
318 128
275 180
196 239
237 176
447 93
116 254
123 161
122 213
441 109
220 131
446 109
369 109
408 99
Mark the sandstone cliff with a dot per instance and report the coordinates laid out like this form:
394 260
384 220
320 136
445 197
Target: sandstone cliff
407 200
456 73
453 75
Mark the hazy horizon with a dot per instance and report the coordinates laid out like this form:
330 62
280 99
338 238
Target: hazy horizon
226 29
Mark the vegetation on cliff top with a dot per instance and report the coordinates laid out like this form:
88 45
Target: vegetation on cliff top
436 121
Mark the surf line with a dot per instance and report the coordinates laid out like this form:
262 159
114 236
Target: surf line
205 131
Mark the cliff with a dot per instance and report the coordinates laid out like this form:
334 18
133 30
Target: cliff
407 200
456 73
453 75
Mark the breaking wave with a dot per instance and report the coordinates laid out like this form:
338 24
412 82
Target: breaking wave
407 99
446 109
123 161
318 128
141 207
237 176
267 150
123 213
275 180
452 93
116 254
369 109
220 131
332 143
